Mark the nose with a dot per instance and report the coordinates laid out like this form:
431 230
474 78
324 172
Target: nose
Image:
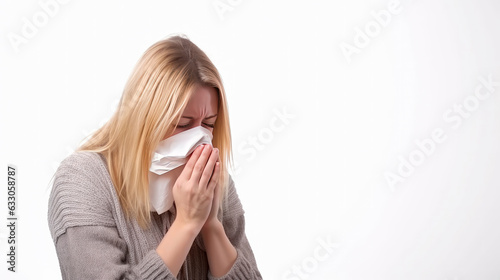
196 123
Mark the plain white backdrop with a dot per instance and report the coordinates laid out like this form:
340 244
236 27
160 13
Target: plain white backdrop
327 99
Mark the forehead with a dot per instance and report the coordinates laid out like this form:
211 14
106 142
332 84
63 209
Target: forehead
204 100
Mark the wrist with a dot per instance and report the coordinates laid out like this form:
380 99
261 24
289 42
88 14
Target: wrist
211 226
189 228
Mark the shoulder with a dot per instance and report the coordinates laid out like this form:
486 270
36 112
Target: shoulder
81 161
80 193
82 175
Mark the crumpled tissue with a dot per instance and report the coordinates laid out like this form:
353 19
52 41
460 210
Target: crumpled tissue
168 162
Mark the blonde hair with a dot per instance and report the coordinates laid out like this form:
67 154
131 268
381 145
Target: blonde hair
151 106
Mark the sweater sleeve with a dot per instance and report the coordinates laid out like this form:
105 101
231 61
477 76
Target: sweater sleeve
245 266
97 252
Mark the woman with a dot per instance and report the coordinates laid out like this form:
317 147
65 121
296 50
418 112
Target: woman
99 212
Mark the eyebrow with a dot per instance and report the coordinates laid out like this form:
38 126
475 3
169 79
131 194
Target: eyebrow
205 118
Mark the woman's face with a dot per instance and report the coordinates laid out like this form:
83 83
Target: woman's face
201 110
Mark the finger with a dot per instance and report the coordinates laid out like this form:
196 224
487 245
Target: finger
188 169
209 168
200 163
215 178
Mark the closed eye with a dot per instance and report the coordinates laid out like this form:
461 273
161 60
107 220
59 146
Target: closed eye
183 126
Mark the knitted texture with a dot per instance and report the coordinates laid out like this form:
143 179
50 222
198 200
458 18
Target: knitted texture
94 240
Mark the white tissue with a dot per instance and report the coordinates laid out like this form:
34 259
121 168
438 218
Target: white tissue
168 162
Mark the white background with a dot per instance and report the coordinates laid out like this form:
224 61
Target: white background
312 178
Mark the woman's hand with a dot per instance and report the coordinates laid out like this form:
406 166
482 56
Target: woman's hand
212 217
194 190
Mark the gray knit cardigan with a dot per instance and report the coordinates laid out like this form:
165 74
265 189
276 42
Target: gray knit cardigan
94 240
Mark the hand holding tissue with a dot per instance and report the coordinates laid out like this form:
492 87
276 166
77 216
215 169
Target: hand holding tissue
168 162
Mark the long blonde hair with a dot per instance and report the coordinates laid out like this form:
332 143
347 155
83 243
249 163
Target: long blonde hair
151 106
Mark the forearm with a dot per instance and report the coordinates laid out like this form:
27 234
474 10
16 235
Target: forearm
221 253
176 244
